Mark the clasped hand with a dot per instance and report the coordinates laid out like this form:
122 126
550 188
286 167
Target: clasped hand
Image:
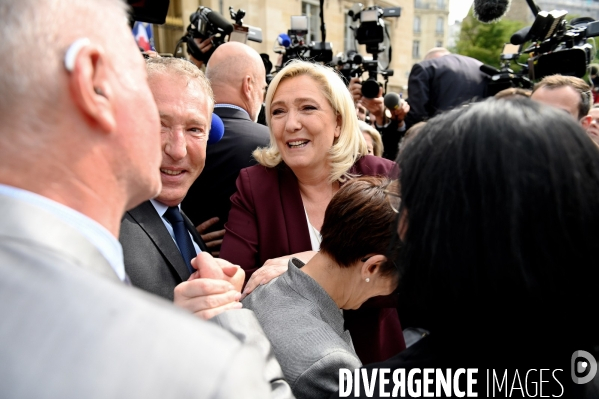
212 289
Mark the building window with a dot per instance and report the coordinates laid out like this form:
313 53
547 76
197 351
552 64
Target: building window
418 4
439 43
416 24
440 24
440 4
416 49
312 11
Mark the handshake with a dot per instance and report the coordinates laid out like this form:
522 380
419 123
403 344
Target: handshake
397 107
216 284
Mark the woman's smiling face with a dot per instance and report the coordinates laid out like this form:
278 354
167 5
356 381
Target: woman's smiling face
303 123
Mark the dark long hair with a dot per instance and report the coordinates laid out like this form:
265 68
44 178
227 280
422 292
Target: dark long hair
502 201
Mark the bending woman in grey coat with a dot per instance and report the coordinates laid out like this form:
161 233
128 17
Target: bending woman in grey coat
300 310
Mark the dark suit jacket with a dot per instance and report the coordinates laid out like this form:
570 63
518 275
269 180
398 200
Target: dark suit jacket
443 83
267 220
210 194
152 259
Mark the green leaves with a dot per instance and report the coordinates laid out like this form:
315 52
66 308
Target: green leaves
485 41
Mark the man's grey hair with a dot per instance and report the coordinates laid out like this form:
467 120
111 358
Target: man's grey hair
35 35
181 67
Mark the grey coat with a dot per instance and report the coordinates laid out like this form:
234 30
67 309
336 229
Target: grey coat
305 328
70 329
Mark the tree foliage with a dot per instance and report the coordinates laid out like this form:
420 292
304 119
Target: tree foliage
485 41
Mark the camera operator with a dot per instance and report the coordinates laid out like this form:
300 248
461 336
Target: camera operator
204 45
393 129
443 81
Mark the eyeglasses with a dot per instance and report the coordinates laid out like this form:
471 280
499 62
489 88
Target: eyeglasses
394 200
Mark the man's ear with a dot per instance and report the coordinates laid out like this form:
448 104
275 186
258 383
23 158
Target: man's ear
90 87
585 121
371 267
247 87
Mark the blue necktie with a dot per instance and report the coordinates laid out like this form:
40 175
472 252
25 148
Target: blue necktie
173 215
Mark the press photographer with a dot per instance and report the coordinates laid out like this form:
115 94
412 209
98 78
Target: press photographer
369 30
295 44
391 127
208 30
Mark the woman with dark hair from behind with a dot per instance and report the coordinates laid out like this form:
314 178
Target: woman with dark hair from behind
500 234
300 310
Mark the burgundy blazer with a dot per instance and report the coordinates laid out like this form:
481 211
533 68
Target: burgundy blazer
267 220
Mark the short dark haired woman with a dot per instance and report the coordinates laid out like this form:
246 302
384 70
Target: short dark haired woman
299 311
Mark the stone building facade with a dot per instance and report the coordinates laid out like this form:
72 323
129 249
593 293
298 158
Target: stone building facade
274 16
430 25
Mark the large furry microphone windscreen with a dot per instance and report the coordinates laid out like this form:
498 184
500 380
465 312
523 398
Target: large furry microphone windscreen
488 11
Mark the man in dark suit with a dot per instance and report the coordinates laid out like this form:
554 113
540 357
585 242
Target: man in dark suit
238 78
443 81
158 240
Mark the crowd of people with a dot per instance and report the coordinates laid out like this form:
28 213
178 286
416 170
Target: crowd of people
139 261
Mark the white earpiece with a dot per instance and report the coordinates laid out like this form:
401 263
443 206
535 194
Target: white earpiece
73 50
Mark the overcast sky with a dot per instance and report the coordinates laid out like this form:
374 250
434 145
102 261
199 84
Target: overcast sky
458 9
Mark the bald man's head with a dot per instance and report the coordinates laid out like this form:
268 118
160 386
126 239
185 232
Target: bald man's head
436 52
237 75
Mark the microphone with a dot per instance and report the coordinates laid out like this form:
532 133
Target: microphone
520 37
217 129
284 40
488 11
392 101
489 70
220 21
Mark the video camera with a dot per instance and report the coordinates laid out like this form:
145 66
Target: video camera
504 78
348 64
295 45
206 23
370 31
557 47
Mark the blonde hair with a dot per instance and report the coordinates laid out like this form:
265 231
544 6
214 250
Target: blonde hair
348 147
377 141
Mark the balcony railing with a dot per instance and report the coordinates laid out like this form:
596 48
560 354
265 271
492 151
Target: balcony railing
431 6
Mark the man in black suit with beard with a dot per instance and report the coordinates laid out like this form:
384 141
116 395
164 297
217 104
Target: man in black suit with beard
238 78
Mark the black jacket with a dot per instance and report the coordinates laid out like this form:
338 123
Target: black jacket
442 83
